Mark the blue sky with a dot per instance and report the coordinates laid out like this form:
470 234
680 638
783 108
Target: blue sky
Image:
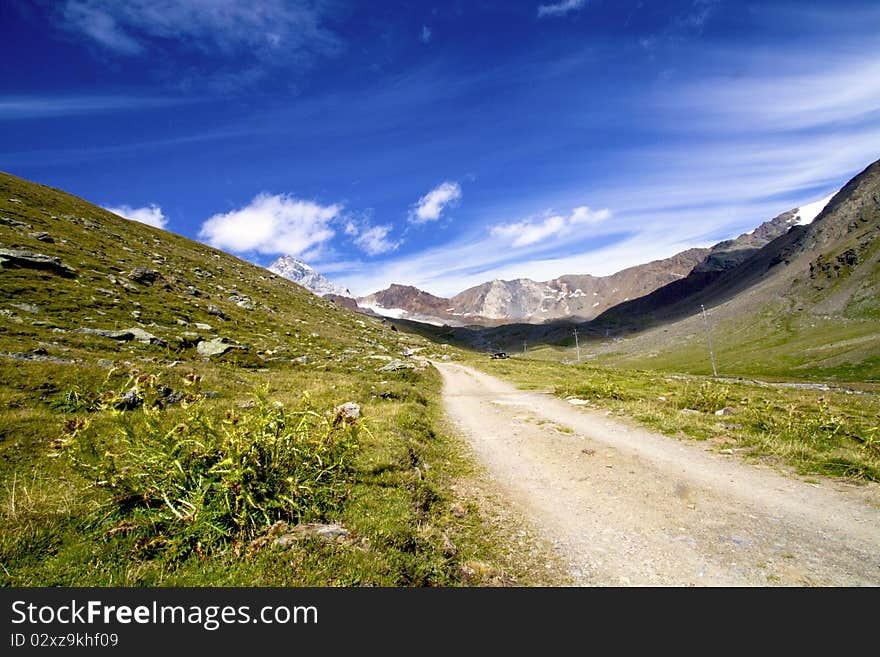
442 144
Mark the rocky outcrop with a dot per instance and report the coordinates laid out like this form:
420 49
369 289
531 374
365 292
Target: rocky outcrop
19 259
215 347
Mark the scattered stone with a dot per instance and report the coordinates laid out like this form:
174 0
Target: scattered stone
38 357
144 276
574 401
302 360
395 365
181 322
143 336
19 259
136 314
12 223
126 335
42 237
449 548
214 310
103 362
242 301
329 532
26 308
347 412
131 400
690 411
193 291
727 410
215 347
204 327
210 394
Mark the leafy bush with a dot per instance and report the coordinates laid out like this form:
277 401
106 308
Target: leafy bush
210 479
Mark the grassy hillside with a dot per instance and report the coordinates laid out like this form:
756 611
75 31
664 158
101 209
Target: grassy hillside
134 452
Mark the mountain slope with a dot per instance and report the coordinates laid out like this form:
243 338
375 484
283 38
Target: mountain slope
807 302
166 403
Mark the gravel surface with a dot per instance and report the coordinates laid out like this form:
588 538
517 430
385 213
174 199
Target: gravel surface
626 506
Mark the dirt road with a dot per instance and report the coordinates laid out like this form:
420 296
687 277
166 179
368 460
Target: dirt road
626 506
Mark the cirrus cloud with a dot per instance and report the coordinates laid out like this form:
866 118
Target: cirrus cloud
432 204
532 231
151 215
560 8
271 224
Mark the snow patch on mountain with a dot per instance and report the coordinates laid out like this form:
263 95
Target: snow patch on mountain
302 274
805 215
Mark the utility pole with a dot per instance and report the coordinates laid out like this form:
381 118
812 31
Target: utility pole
524 346
577 345
709 340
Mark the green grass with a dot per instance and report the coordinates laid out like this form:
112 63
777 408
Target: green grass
831 433
98 492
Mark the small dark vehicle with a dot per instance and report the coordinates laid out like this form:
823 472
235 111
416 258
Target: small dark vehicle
499 354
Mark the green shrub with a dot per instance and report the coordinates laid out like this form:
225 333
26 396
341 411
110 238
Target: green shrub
708 397
208 479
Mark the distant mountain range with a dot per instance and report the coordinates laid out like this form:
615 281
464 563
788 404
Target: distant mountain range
804 285
578 297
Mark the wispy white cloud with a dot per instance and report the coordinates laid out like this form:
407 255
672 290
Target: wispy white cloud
101 26
560 8
225 26
425 34
272 224
811 92
431 205
29 107
374 240
532 231
151 215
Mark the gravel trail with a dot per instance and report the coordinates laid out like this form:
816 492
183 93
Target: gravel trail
626 506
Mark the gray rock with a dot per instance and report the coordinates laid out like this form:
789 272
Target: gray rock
328 532
103 362
242 301
396 364
302 360
204 327
214 310
38 357
144 276
26 308
727 410
143 336
215 347
125 335
347 412
42 237
19 259
210 394
12 223
131 400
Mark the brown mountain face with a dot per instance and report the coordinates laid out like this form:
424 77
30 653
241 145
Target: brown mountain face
523 300
407 298
829 266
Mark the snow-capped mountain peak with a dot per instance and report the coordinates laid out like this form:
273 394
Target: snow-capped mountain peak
305 275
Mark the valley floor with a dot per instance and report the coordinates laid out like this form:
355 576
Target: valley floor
626 506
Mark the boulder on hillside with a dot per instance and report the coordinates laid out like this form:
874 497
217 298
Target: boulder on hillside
19 259
215 347
144 276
